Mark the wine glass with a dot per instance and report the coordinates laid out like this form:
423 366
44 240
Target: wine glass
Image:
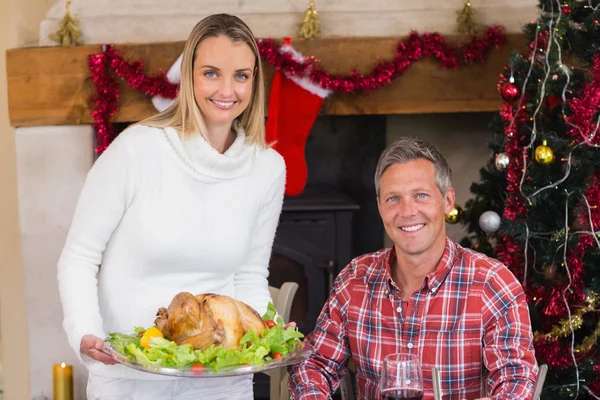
401 378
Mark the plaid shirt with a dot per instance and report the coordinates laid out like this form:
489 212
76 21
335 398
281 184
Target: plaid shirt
470 312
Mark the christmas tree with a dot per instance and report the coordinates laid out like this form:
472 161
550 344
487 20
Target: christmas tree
536 206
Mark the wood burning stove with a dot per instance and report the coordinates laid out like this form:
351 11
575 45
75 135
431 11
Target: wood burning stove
312 244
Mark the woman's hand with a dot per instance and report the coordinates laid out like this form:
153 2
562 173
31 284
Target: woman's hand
91 346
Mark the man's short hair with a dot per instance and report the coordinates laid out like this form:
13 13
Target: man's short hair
409 148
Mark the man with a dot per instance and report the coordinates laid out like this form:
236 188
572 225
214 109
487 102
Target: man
456 309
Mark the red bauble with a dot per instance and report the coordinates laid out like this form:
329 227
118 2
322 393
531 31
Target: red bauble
510 92
566 10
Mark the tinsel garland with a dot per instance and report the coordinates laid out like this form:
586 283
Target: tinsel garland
584 109
556 355
416 47
508 250
107 91
592 194
514 122
559 357
563 328
105 99
595 384
133 74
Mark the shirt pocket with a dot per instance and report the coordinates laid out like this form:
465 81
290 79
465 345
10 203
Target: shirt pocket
458 356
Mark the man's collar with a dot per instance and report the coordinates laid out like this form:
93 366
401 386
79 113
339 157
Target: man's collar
434 279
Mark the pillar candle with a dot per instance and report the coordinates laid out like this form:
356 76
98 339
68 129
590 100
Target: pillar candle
63 381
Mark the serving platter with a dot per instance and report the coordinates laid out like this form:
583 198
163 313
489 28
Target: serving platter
195 371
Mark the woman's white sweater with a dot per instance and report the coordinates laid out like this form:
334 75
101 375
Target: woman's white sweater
156 217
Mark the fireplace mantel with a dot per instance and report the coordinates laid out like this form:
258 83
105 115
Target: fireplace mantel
52 85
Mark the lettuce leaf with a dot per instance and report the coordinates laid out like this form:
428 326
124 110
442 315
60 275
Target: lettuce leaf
270 313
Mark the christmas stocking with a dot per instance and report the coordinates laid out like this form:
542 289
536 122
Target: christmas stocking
294 104
162 103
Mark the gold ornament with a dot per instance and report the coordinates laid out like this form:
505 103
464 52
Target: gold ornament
310 27
68 33
467 23
563 328
544 155
455 215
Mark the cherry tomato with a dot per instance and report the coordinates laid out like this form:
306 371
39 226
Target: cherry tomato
197 369
277 355
270 323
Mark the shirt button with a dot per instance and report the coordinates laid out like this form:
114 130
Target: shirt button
399 309
410 345
433 290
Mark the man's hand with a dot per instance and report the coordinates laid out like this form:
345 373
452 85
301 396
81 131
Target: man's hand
91 346
290 324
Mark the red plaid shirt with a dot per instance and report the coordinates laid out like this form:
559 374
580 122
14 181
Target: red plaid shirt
470 312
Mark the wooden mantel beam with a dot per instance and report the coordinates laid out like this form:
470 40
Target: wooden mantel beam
52 85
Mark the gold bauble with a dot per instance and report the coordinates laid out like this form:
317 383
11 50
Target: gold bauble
455 215
544 155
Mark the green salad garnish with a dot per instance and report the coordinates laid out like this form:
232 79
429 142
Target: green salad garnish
274 342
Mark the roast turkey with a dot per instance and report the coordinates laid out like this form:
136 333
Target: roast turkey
207 319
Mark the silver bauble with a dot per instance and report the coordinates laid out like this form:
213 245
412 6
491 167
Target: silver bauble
489 221
502 161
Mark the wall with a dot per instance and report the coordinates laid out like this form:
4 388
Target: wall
52 161
102 20
19 21
52 164
13 329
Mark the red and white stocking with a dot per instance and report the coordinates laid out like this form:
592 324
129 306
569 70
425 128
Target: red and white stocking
294 105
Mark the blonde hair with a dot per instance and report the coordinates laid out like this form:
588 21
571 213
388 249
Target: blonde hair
184 115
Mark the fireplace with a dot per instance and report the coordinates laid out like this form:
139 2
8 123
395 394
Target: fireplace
334 219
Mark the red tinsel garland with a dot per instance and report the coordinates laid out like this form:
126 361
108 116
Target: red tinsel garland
514 121
584 109
429 45
133 74
105 99
416 47
592 194
595 384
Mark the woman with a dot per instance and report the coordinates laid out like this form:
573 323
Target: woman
187 200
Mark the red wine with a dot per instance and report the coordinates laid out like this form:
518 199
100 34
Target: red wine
402 394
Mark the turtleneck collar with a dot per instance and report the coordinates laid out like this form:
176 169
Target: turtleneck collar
205 163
